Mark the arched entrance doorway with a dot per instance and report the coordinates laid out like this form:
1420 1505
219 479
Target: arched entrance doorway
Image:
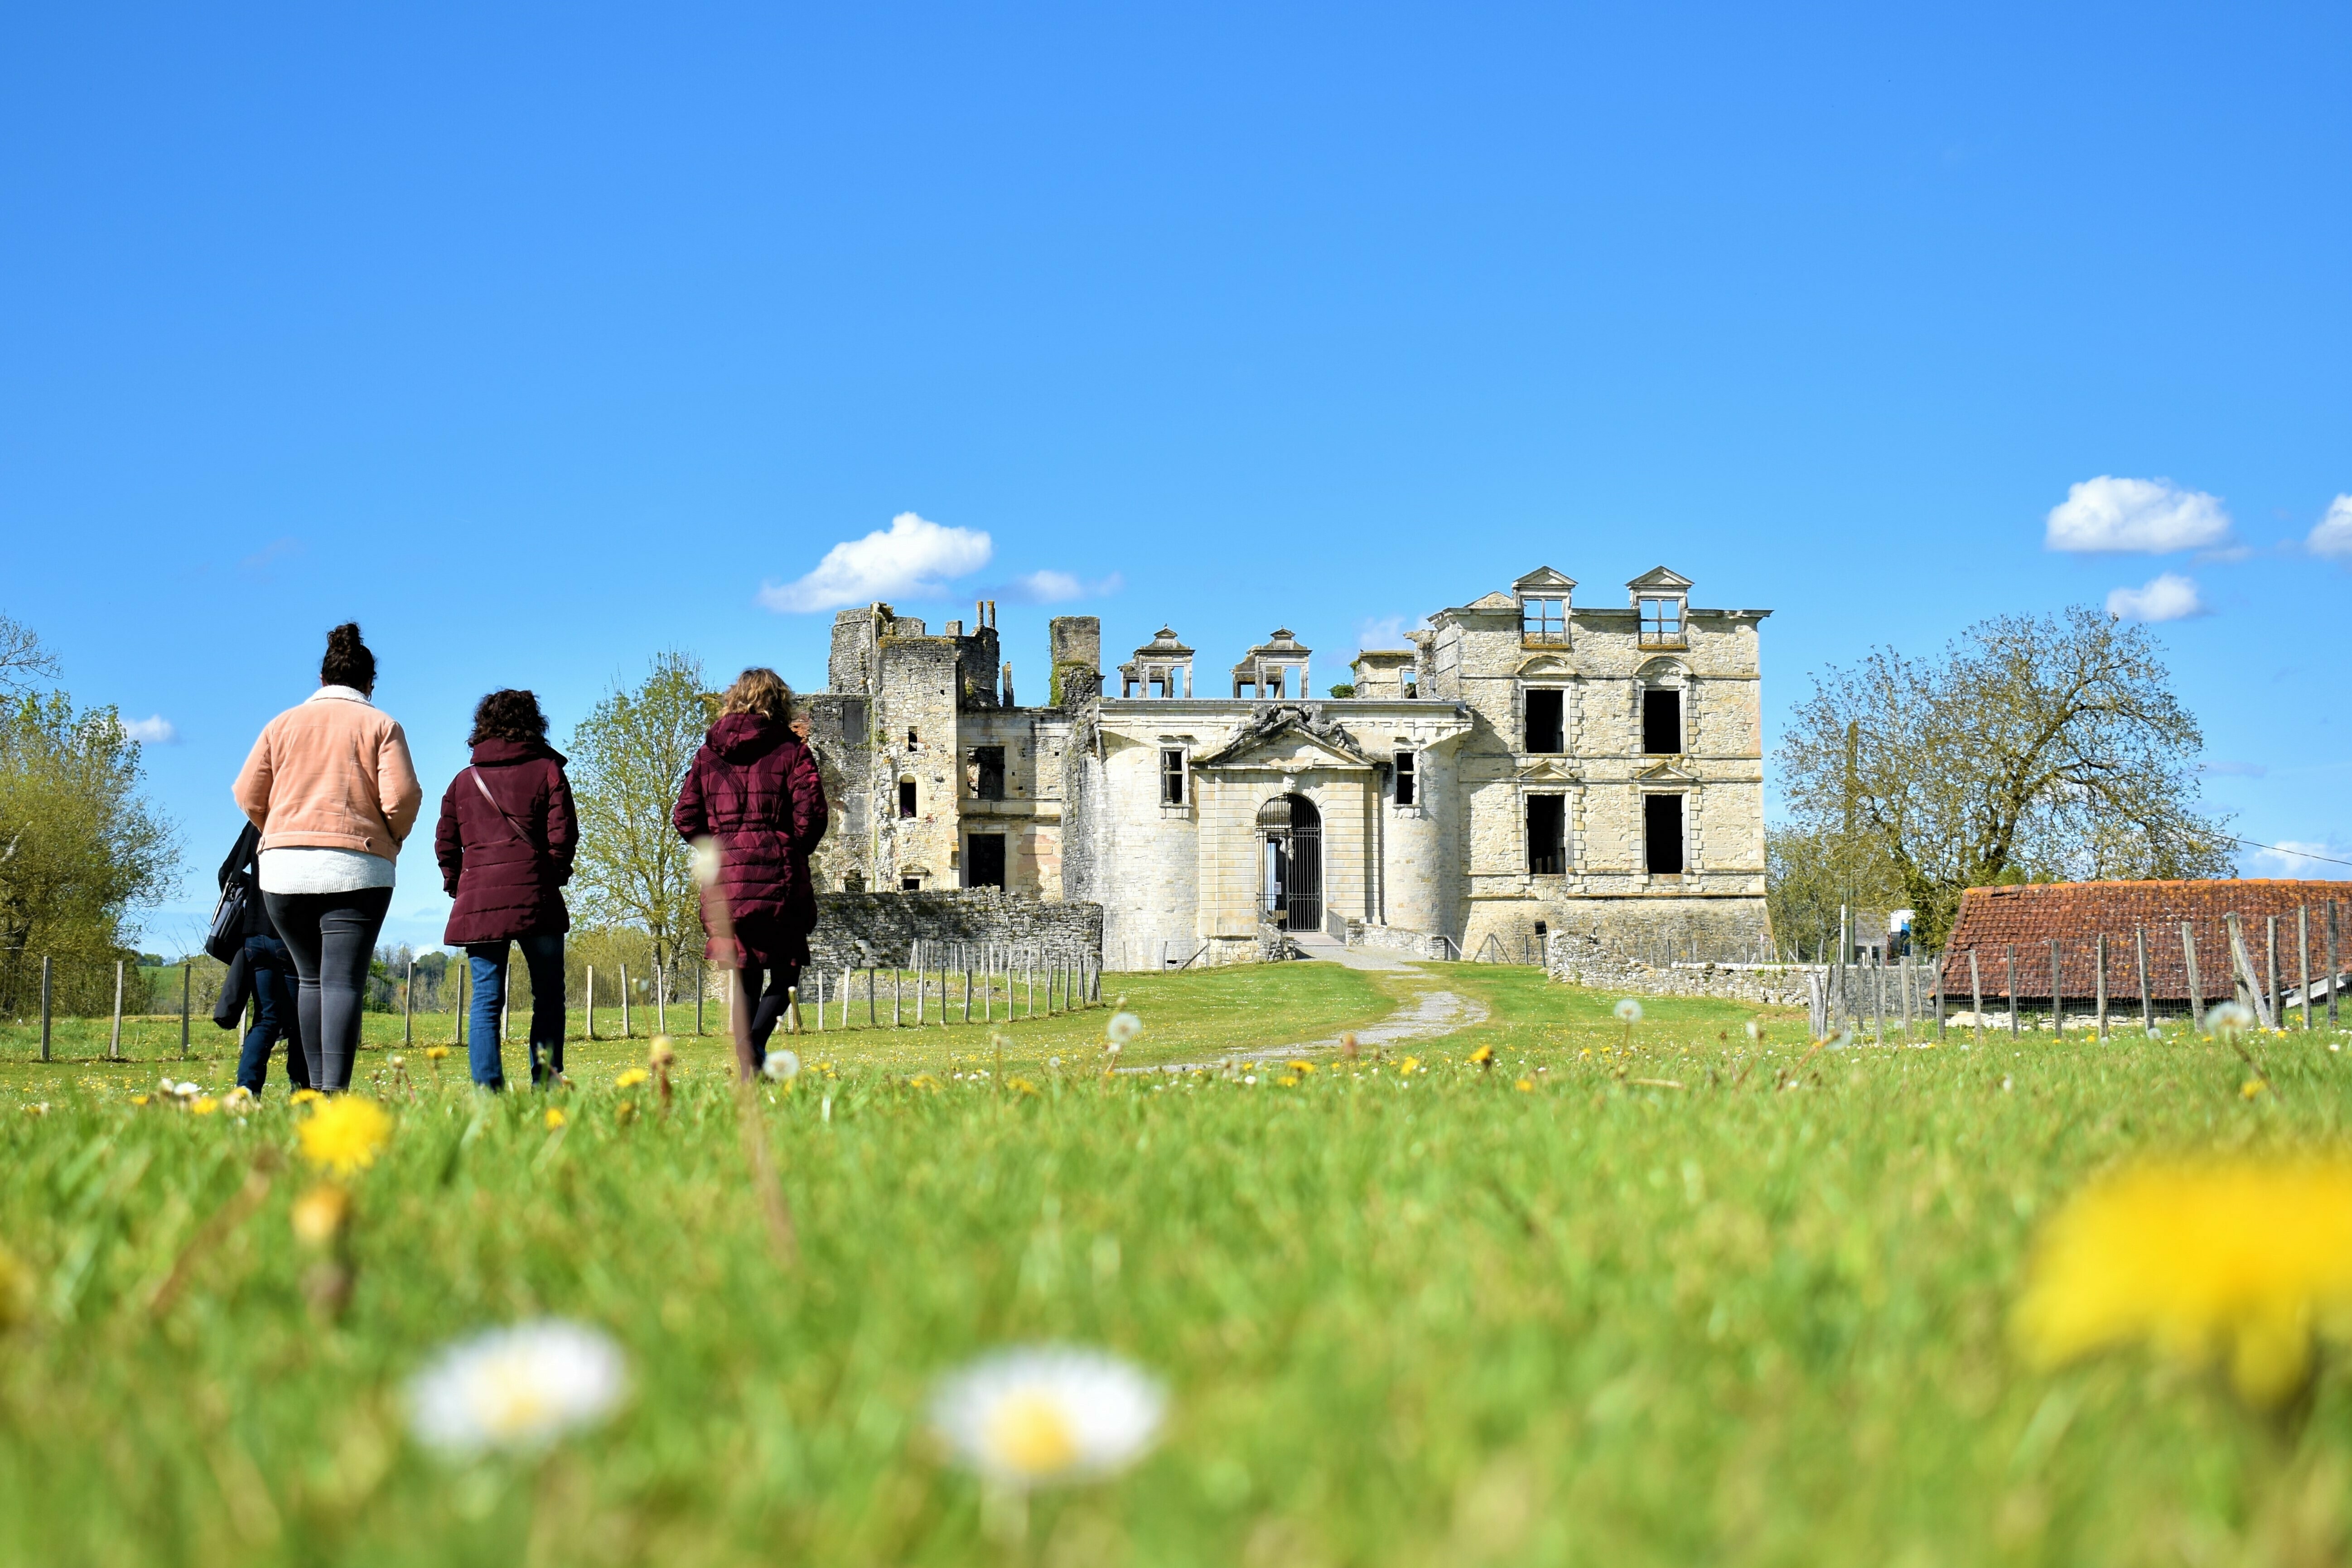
1291 830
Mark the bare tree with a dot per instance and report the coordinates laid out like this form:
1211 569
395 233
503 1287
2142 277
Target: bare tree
2036 746
627 759
23 659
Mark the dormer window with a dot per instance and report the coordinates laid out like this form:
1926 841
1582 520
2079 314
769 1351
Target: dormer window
1543 620
1661 621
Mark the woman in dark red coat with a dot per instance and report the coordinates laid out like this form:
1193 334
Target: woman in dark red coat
752 791
506 841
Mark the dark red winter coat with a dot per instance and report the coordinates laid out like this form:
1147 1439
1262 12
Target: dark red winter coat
505 874
753 788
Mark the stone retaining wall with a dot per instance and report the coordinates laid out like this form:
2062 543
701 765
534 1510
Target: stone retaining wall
861 929
1582 961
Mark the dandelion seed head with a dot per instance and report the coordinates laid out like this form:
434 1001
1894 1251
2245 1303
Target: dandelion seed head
1122 1027
1628 1011
781 1066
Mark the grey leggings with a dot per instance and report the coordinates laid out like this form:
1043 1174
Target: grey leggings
332 939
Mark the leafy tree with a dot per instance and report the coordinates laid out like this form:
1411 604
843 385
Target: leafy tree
2036 746
627 759
81 849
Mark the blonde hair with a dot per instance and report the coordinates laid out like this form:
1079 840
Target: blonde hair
760 692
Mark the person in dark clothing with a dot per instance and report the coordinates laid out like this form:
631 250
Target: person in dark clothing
270 973
752 791
506 841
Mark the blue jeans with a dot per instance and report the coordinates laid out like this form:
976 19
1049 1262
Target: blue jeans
271 969
543 955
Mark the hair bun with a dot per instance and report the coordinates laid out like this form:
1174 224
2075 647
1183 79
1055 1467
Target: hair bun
345 638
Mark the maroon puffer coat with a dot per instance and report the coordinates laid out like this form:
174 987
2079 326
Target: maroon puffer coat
754 788
505 874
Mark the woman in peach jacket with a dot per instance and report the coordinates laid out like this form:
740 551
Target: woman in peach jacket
332 789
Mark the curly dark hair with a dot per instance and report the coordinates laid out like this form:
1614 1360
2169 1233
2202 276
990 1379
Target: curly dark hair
508 715
347 661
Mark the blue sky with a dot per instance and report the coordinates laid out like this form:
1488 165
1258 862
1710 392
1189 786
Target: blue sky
538 340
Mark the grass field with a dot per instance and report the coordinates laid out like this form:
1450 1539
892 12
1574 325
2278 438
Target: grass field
1660 1295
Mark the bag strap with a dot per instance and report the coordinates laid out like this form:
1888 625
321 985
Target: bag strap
518 833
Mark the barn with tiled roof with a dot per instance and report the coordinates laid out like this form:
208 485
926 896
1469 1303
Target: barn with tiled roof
1999 925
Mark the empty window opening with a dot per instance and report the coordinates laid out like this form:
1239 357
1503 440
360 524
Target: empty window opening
1661 623
1662 834
983 861
1662 722
1412 683
853 881
1159 687
911 742
1546 713
905 797
1544 620
988 783
1171 776
1547 835
911 884
1406 778
1245 689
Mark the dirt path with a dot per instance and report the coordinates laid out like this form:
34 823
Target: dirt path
1422 1016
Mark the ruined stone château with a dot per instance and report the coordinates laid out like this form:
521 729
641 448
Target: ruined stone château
1527 765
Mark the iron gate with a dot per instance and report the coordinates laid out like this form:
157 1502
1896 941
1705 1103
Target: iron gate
1293 832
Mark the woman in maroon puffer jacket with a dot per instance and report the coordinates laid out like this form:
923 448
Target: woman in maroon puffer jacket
506 841
752 790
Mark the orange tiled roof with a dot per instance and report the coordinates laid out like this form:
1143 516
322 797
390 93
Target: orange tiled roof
2075 914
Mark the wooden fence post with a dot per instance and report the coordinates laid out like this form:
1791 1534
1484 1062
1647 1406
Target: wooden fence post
2270 969
2242 962
408 1006
589 994
2332 973
2139 950
188 983
2057 995
1976 993
45 1003
2008 958
661 997
2303 958
701 991
2102 946
2196 986
1939 991
624 1001
114 1044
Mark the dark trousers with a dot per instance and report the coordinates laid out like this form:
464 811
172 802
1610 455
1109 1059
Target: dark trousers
543 956
332 939
271 968
757 1013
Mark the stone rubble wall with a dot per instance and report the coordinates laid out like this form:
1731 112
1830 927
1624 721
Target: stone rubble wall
1581 961
856 930
1414 944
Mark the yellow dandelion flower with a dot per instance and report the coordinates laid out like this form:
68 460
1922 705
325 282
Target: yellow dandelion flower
1411 1065
1483 1057
2234 1258
1524 1086
554 1117
140 1099
2252 1087
1021 1085
1301 1068
1289 1080
436 1053
345 1134
203 1105
304 1096
631 1078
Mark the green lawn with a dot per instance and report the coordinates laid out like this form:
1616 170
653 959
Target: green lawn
1428 1319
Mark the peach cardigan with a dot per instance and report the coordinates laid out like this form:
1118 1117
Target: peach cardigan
331 774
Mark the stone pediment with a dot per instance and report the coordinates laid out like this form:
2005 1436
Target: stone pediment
1497 600
1545 665
1544 580
1549 770
1659 579
1665 772
1289 739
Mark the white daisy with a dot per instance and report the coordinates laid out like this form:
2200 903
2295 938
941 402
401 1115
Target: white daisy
1041 1416
1629 1011
517 1388
781 1066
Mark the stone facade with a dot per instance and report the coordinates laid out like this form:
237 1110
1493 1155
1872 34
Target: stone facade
859 930
1529 767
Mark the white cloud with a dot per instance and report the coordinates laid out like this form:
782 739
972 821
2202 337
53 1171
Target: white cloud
2333 537
1051 587
912 559
152 731
2166 597
2154 516
2303 859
